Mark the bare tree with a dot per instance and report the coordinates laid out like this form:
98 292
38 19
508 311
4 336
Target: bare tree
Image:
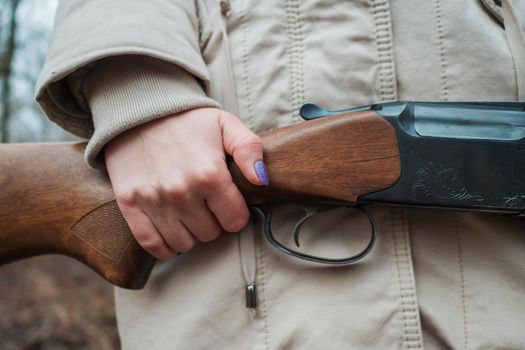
6 69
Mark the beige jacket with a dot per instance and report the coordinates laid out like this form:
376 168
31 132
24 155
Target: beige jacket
435 279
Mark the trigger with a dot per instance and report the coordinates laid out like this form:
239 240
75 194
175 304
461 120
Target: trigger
310 212
299 225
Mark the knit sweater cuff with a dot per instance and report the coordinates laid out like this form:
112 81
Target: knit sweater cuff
127 91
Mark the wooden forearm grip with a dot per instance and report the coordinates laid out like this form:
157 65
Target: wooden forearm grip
338 158
52 202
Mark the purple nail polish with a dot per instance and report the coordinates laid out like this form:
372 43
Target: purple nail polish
262 173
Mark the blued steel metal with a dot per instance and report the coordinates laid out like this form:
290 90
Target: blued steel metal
462 155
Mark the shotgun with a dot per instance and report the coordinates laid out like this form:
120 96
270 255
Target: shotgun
464 155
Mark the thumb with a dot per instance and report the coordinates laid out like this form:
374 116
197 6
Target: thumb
245 147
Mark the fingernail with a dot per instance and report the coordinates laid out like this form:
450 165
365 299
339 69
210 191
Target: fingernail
262 173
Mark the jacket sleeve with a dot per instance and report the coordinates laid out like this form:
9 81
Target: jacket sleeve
125 91
163 37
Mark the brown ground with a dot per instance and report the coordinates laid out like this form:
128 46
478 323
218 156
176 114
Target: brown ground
54 302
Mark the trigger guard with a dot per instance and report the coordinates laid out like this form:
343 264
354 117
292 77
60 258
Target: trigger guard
265 218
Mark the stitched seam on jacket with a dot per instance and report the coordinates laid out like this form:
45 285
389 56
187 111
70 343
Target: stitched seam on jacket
244 64
384 38
411 338
262 274
441 50
462 277
295 52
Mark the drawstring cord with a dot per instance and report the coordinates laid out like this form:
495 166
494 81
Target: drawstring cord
249 265
227 93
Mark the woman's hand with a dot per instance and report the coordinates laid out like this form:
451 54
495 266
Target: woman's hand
172 183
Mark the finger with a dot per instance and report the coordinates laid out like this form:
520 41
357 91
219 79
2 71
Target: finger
172 230
229 208
200 221
245 147
146 234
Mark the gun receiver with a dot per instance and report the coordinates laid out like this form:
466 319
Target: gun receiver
463 155
466 156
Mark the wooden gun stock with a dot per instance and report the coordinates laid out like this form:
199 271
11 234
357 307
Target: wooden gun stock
51 202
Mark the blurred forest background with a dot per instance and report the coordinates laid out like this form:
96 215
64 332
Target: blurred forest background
49 302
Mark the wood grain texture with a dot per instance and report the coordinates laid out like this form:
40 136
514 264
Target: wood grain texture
336 158
47 195
52 202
